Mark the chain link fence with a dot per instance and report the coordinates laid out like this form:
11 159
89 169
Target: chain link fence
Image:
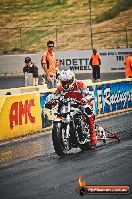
67 37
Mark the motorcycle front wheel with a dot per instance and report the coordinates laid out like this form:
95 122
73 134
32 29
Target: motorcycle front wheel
57 139
87 145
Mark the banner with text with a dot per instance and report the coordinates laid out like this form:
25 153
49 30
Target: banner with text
112 60
76 60
19 115
108 97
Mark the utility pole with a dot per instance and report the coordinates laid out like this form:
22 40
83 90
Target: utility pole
90 17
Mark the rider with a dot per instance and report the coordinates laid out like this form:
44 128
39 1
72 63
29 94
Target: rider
76 89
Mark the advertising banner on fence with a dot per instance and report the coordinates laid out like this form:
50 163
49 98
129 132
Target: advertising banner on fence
19 115
76 60
109 97
112 60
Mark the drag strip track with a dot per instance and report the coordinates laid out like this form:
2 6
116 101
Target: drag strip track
16 82
30 169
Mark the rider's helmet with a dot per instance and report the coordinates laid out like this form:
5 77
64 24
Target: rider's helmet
67 79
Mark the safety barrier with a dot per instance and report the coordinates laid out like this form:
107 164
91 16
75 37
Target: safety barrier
25 113
19 115
110 97
14 91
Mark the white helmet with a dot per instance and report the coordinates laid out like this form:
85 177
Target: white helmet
67 79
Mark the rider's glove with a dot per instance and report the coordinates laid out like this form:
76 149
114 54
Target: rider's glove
88 98
84 99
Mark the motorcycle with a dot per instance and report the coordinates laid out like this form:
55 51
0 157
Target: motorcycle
70 126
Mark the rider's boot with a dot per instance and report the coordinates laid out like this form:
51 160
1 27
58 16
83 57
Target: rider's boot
92 131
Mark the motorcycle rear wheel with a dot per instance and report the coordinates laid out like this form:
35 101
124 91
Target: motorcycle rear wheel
57 139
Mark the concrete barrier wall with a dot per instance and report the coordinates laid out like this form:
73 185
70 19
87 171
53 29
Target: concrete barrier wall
110 96
77 60
25 113
12 65
14 91
19 115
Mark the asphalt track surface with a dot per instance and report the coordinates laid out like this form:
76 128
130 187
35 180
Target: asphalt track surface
30 169
15 82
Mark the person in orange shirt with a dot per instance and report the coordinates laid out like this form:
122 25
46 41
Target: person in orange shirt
128 66
95 62
49 65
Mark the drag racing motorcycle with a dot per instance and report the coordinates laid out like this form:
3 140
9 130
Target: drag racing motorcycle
71 128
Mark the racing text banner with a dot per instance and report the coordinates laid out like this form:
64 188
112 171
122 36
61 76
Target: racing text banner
110 96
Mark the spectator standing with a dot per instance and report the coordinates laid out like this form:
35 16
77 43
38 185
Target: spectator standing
128 65
95 62
49 65
30 71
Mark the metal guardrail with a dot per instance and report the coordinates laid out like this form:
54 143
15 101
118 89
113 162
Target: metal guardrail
33 39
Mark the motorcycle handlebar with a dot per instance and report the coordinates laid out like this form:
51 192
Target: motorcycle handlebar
66 100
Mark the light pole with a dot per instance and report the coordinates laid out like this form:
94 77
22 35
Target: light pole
90 24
